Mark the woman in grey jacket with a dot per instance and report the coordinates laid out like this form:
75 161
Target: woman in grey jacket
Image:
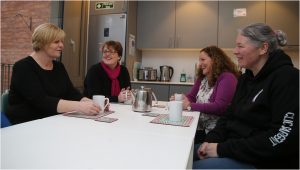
260 129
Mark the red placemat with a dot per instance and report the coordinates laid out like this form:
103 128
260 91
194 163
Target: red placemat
186 121
81 115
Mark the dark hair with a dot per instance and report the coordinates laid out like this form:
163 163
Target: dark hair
116 45
221 63
260 33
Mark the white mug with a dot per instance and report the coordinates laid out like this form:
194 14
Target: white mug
100 100
175 111
178 97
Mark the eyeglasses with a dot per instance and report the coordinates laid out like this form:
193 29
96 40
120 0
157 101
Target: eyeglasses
108 51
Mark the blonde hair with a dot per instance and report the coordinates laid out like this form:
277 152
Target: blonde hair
45 34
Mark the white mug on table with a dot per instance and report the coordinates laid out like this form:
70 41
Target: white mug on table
101 100
175 111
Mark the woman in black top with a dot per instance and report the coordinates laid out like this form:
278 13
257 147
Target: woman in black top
108 77
40 86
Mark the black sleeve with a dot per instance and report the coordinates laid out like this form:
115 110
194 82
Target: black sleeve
26 83
97 82
219 133
124 78
72 93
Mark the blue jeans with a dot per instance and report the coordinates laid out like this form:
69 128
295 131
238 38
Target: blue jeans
218 163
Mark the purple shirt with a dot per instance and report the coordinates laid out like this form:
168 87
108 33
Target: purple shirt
220 98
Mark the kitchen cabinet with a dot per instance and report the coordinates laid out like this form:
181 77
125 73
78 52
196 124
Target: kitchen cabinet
228 24
179 89
284 15
196 24
177 24
163 91
155 24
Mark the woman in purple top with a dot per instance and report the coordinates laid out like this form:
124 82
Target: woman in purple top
214 88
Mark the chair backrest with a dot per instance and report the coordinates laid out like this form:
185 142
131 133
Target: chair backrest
4 101
4 104
4 120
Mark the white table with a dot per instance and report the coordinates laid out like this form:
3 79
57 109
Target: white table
67 142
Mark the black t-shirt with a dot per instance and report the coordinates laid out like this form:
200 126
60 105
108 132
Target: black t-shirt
35 92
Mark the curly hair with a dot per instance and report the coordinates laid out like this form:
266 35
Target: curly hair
220 63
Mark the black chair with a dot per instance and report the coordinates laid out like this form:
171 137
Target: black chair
4 104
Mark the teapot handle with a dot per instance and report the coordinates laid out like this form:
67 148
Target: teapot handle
171 72
156 102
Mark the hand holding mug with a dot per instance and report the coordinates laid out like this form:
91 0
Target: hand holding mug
88 107
102 101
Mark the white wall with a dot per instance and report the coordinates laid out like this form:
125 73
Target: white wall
179 60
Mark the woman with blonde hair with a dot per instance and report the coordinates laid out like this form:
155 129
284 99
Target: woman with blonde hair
40 86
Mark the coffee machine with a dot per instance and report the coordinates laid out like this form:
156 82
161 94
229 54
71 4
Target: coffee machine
166 73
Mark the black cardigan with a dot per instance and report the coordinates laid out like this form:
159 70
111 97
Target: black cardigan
97 82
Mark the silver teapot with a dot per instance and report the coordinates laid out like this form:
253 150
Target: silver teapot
142 99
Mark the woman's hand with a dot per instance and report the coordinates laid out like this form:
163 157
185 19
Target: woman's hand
88 107
185 102
172 98
122 95
207 150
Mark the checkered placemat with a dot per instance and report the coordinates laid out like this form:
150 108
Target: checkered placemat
186 121
81 115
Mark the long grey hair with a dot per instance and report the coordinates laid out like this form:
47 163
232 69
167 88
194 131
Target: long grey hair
260 33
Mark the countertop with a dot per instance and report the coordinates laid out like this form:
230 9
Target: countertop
162 82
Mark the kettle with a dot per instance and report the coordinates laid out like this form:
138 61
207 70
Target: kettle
142 99
166 73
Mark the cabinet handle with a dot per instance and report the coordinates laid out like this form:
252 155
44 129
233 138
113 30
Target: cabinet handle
123 6
171 42
178 38
72 43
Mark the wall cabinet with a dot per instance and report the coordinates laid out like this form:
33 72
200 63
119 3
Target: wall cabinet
179 24
284 15
155 24
163 91
197 24
228 24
